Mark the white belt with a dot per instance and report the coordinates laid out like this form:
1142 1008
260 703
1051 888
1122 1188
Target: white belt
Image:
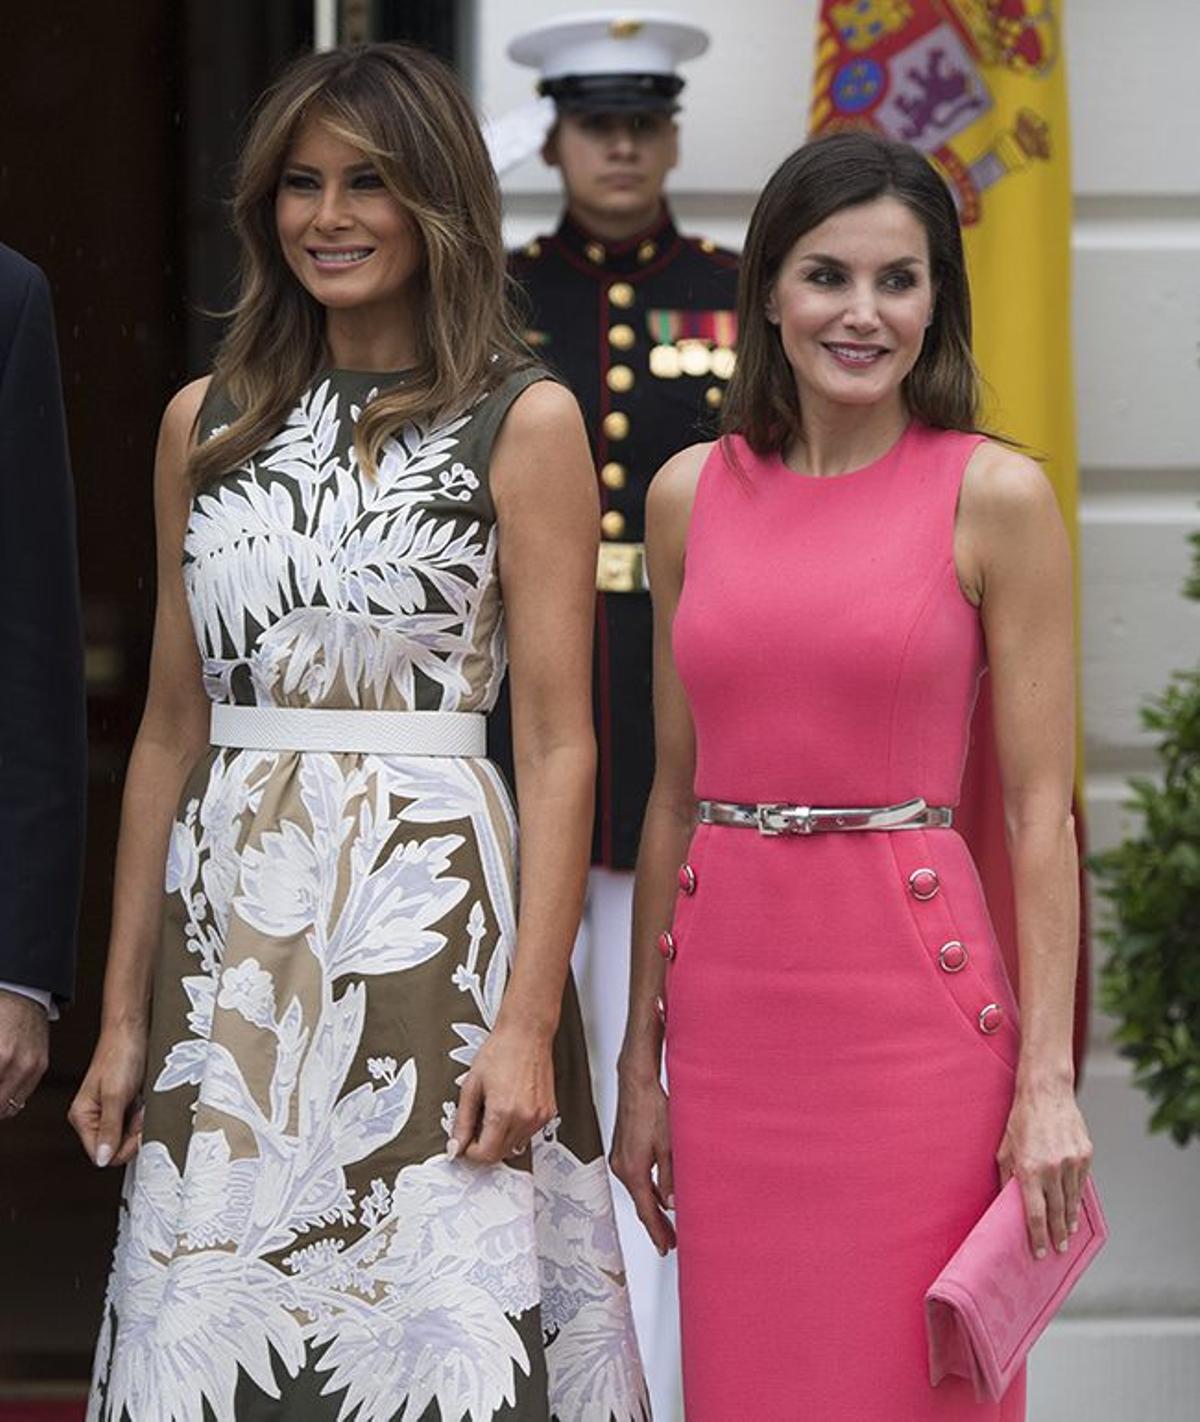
297 728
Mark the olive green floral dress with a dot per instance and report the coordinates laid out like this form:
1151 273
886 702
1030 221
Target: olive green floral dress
293 1241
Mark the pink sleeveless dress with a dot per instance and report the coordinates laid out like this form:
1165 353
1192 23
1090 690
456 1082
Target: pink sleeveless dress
836 1102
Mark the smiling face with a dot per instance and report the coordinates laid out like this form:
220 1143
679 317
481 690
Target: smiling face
346 238
614 166
852 300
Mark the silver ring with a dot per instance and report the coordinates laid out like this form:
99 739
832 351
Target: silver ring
520 1148
14 1105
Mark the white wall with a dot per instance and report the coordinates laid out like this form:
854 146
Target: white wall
1131 1344
1135 122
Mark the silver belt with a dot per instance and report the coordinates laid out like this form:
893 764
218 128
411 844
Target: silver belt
806 819
298 728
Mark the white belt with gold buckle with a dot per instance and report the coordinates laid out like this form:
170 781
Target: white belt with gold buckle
773 819
300 728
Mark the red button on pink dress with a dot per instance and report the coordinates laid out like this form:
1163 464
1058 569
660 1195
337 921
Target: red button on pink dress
991 1019
923 884
952 957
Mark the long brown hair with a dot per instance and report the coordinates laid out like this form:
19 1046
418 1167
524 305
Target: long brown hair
406 110
837 171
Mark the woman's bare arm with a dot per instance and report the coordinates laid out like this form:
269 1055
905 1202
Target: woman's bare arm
641 1156
1015 560
547 510
172 735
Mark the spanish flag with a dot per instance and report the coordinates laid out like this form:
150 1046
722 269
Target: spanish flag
980 87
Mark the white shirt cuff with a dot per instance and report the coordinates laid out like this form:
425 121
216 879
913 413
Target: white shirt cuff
39 995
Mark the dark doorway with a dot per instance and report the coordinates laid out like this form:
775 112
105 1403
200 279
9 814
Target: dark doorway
119 129
89 189
118 126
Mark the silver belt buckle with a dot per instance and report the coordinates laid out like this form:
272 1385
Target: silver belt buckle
784 819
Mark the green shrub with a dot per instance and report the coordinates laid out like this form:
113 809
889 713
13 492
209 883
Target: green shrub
1150 980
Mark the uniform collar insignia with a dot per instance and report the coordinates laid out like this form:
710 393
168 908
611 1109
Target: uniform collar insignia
607 259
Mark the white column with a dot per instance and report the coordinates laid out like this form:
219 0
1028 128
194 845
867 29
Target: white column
325 25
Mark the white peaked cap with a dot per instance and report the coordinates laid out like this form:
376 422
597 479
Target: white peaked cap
635 51
609 42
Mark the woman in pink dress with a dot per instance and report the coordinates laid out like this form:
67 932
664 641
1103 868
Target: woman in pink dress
848 1083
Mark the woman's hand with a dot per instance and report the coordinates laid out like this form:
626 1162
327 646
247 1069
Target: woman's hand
106 1112
1047 1147
508 1096
641 1155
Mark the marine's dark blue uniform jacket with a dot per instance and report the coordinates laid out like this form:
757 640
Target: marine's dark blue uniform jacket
643 332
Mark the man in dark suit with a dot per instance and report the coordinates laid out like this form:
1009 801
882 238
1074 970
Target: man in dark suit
43 746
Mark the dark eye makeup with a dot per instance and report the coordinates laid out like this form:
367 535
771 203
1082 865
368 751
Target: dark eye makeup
896 280
367 179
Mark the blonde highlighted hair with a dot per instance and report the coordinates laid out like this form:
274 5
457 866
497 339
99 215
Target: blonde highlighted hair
408 113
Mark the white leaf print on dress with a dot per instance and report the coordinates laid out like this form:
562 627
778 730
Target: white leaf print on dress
594 1361
183 858
188 1322
445 1342
445 790
387 922
234 542
258 1205
417 451
454 1257
312 589
302 449
218 1193
250 991
395 893
313 649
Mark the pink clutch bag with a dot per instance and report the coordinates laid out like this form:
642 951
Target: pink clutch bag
989 1305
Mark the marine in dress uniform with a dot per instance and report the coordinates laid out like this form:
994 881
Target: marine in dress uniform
643 328
643 331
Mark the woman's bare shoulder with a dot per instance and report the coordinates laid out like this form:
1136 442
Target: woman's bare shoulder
545 408
1003 486
673 489
175 437
179 417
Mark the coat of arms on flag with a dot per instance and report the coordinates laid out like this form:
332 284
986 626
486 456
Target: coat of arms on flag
918 71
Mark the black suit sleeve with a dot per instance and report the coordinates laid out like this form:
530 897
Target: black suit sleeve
42 728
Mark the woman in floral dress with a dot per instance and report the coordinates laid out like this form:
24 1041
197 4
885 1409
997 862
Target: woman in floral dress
345 1063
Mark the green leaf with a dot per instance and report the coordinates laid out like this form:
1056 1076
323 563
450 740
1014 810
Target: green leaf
1150 883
